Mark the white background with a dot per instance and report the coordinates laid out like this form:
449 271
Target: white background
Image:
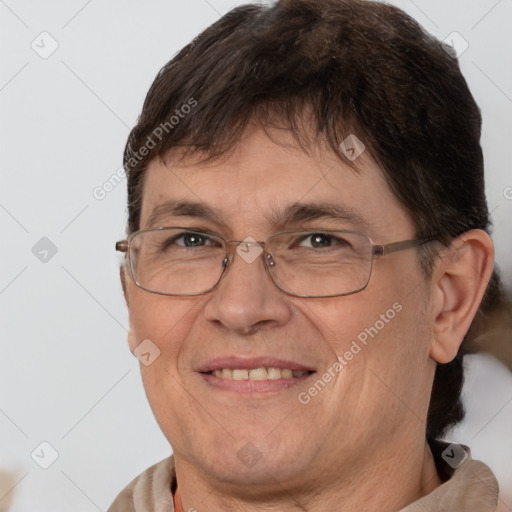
67 376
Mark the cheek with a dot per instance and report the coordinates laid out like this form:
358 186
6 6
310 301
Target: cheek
166 322
356 319
163 320
381 331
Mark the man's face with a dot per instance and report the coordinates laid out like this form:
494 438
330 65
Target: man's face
369 374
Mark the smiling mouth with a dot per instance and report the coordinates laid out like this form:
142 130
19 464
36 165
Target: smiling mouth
259 374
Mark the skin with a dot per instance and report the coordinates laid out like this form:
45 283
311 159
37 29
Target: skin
367 425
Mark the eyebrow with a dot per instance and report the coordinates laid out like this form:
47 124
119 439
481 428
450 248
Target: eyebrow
297 213
171 208
306 212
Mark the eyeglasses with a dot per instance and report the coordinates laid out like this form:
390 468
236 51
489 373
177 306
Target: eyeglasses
303 263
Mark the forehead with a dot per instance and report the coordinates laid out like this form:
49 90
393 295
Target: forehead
264 178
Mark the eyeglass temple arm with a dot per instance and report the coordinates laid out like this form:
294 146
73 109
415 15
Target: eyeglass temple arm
381 250
122 246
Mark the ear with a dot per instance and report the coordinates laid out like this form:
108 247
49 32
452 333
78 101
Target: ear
459 282
123 275
132 339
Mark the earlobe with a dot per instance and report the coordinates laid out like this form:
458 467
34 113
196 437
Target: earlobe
459 283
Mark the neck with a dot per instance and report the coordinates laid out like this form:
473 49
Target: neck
392 481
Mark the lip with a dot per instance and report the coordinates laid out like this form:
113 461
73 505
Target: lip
247 363
252 386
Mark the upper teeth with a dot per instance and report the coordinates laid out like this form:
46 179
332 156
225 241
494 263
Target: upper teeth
262 373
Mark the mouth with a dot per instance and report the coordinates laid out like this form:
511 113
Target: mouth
260 373
254 375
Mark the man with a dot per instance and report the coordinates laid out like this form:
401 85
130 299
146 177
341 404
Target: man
307 252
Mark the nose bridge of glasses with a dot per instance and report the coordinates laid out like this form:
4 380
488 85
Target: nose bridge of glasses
249 241
248 249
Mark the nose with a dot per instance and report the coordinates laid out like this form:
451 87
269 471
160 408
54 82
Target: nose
246 299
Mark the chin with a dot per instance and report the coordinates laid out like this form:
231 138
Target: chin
264 477
263 464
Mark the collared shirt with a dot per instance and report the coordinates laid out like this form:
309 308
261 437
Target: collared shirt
177 501
471 487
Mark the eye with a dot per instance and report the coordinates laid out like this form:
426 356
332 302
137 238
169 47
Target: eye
320 240
192 240
188 240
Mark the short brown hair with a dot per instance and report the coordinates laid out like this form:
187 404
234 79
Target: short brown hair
356 66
